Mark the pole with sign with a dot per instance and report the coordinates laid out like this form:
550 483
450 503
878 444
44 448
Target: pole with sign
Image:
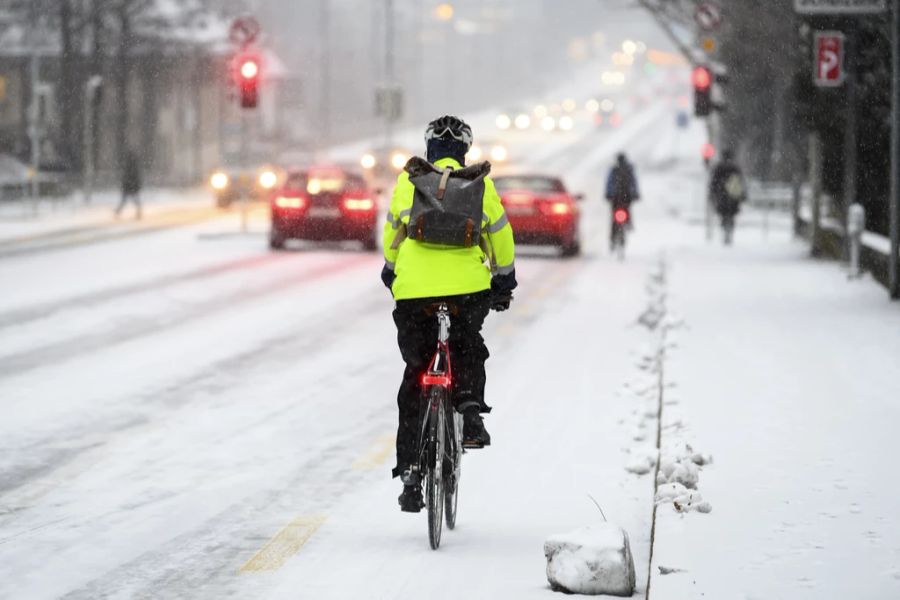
894 263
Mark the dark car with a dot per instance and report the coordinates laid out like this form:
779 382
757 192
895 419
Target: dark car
541 211
323 203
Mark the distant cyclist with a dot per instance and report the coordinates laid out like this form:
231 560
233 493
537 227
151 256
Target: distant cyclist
431 254
727 191
622 187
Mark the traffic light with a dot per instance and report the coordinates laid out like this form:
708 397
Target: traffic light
248 69
702 80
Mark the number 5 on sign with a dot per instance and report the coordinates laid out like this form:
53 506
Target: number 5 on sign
829 58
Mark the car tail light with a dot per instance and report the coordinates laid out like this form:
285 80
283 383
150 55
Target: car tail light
441 379
556 207
621 216
359 203
290 202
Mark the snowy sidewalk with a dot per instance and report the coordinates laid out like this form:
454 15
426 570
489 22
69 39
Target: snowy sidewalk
788 375
55 223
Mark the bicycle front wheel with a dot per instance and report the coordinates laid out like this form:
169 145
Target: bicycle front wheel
434 476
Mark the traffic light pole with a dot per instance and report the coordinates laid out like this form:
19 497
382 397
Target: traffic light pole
894 263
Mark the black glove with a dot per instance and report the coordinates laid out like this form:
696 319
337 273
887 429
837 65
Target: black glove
500 300
388 276
501 290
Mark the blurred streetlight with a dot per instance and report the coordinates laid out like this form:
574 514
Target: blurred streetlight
444 11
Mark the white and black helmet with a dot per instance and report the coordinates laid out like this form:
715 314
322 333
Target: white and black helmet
449 127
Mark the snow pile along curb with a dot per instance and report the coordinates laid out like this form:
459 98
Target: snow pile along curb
593 560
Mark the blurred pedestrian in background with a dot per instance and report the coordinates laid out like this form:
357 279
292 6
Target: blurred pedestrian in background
131 183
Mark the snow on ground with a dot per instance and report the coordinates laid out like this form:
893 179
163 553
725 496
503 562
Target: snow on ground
189 415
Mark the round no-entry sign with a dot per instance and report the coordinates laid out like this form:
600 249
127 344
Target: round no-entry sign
708 15
244 31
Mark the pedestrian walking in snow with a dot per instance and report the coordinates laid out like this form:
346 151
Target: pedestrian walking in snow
131 183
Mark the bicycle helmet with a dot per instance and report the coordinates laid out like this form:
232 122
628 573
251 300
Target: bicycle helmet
449 127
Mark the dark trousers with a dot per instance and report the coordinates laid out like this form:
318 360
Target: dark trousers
417 334
135 197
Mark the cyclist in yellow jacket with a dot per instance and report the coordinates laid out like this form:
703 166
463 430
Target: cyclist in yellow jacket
422 268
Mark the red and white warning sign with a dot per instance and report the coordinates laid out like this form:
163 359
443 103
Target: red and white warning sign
829 58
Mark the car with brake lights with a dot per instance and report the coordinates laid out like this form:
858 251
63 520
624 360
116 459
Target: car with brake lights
323 203
541 211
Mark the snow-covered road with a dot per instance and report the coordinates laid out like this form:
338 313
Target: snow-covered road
185 415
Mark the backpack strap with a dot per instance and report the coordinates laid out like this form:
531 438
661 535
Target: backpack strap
401 235
442 186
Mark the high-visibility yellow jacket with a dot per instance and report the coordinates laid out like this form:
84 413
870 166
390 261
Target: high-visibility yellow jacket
426 270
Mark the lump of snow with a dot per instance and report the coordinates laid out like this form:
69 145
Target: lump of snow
683 471
593 560
641 463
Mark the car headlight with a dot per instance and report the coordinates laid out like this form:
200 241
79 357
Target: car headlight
523 121
367 161
474 154
219 181
548 123
398 160
499 153
268 179
503 122
566 123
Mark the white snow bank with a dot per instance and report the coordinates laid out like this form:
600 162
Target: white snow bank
593 560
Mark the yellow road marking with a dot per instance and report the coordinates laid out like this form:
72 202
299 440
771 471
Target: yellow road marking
377 454
284 545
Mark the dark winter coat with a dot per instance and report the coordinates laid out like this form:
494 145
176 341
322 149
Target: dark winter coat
622 186
727 188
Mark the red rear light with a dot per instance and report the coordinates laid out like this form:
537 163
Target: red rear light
359 203
442 379
560 208
290 202
621 216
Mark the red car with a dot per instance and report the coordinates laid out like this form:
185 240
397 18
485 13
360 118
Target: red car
326 203
541 211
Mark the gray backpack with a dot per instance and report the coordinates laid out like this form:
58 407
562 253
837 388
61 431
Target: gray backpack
448 204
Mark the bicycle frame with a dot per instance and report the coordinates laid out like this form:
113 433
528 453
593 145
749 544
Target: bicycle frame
439 371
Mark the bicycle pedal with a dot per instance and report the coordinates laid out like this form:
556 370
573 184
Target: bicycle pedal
473 445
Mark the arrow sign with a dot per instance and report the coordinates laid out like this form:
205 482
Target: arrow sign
829 58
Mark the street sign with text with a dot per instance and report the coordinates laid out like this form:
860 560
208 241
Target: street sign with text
838 7
829 58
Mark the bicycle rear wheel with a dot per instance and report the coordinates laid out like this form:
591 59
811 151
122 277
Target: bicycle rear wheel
454 470
434 475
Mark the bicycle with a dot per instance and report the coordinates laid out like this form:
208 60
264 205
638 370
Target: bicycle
620 221
440 446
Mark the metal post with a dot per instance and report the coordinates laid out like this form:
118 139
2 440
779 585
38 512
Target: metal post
815 172
325 75
894 275
90 91
856 224
244 185
33 108
850 133
389 72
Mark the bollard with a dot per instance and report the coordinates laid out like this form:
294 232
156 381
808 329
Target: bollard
856 224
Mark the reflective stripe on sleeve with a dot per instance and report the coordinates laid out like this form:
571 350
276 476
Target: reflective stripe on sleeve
389 265
507 269
498 224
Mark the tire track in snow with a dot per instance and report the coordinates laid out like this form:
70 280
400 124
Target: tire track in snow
55 353
42 311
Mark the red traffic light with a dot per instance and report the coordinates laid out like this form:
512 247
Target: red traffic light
249 68
702 78
246 69
708 151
